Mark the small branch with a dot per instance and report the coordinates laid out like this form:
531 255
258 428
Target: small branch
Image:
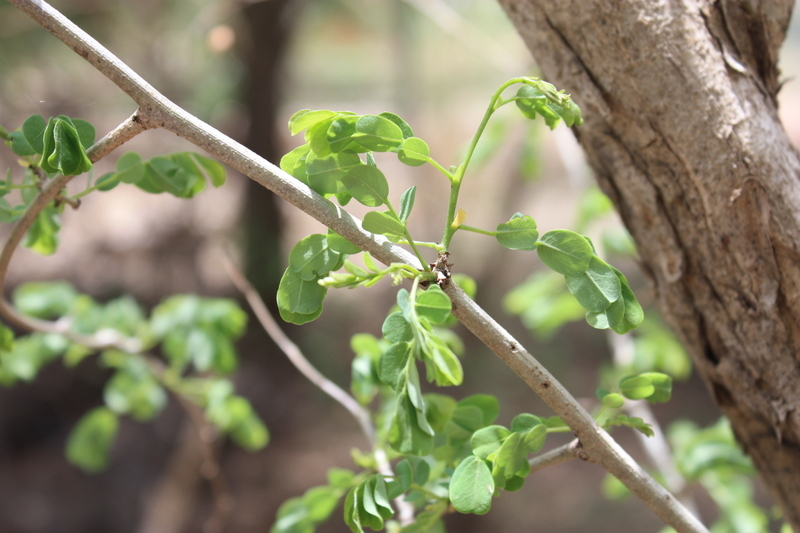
556 456
296 357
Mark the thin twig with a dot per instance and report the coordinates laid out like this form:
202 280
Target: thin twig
296 357
556 456
598 445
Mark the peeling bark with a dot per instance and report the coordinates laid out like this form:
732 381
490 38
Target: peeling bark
681 129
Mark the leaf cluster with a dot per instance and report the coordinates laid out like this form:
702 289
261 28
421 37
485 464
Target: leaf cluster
195 335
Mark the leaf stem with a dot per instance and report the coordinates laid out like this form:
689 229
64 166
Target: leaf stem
494 104
408 237
440 168
477 230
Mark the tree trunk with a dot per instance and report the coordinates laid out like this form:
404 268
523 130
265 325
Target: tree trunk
681 129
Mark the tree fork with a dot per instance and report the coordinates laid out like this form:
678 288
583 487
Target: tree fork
682 130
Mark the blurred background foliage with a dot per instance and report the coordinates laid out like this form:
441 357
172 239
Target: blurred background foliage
245 67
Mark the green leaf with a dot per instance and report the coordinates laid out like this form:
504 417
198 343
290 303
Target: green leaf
637 387
306 118
519 233
138 395
324 173
402 124
662 383
42 236
488 440
7 212
534 438
633 315
631 422
311 258
107 181
510 458
433 304
68 156
383 223
565 252
525 422
406 435
47 300
129 167
396 329
90 441
392 363
414 152
294 162
297 296
611 317
443 366
486 403
235 416
33 130
86 132
407 202
377 133
611 400
317 138
337 243
472 486
340 135
213 169
367 184
596 288
20 145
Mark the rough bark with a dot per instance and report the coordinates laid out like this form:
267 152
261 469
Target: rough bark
681 129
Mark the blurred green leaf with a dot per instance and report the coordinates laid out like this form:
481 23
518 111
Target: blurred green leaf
89 443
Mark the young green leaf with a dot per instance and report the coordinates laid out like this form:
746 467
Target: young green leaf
324 173
383 223
396 328
631 422
402 124
129 167
306 118
86 132
377 134
633 315
612 400
565 252
407 434
311 258
472 486
488 440
662 383
107 181
392 363
42 236
33 130
525 422
510 458
519 233
407 202
90 441
414 152
337 243
19 145
433 304
294 162
443 366
68 155
340 135
637 387
611 317
534 438
135 394
297 296
596 288
367 184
